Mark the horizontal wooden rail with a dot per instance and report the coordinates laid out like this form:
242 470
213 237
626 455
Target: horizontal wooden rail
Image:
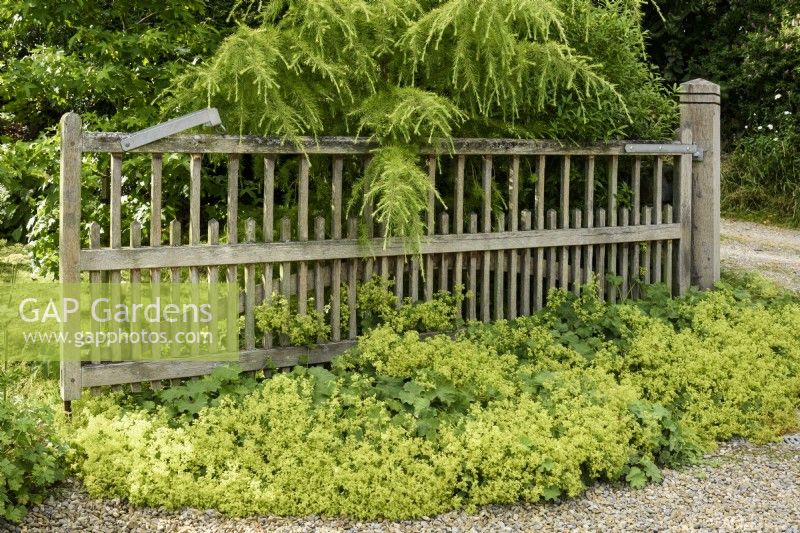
277 252
109 374
248 144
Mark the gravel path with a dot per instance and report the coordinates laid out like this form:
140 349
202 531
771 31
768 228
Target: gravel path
740 487
774 252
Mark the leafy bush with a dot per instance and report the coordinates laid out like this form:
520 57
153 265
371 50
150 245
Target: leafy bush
530 409
30 458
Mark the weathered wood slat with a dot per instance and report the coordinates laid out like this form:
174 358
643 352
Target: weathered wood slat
285 268
136 281
486 266
238 254
319 285
444 229
588 216
600 255
624 216
246 144
538 284
458 207
431 227
302 234
648 220
658 211
513 206
683 188
668 252
611 212
472 299
232 226
577 222
268 229
636 219
552 252
563 273
95 278
499 272
336 233
525 274
352 278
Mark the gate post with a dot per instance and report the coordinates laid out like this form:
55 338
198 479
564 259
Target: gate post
700 113
69 242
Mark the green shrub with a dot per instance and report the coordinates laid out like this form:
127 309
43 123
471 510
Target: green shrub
403 426
30 458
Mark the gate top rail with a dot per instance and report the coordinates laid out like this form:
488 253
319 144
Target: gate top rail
109 142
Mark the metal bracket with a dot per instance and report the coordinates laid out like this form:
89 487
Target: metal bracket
208 117
666 149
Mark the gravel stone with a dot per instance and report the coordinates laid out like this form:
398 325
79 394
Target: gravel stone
739 487
773 252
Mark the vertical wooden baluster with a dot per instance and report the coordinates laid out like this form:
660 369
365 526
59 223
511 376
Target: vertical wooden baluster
233 212
458 207
624 215
336 234
444 229
232 232
302 234
576 254
352 278
564 212
286 270
156 167
194 209
69 246
383 262
115 238
487 228
175 284
538 284
613 169
96 279
513 259
414 275
472 300
588 217
319 283
600 222
636 210
526 267
213 281
267 229
684 192
431 226
648 220
399 272
194 233
500 272
552 252
249 290
136 298
658 212
369 226
668 254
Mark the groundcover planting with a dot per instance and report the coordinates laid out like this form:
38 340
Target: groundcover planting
403 426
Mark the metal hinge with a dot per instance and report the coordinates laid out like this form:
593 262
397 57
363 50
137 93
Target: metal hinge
666 149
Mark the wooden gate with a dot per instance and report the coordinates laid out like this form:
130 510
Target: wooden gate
506 259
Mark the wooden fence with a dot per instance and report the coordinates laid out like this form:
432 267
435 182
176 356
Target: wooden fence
506 260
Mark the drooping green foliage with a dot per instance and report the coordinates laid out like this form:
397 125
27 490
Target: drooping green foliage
406 72
403 426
